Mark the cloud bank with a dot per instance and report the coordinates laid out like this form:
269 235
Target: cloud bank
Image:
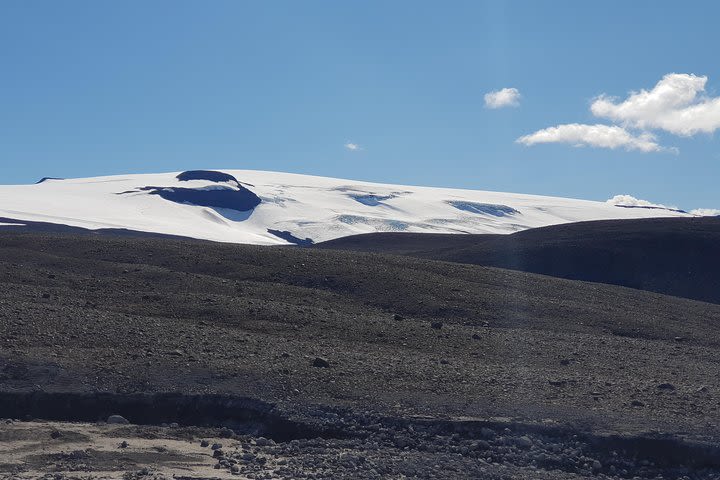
677 104
706 212
630 201
353 146
506 97
604 136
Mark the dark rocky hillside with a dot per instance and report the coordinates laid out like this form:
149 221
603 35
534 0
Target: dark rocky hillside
675 256
424 369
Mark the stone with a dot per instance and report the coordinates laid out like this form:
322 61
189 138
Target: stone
524 442
320 363
117 420
263 442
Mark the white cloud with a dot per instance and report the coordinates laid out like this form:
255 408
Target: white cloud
706 212
506 97
604 136
677 104
630 201
353 146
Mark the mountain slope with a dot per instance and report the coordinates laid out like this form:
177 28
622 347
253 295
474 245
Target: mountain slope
676 256
244 206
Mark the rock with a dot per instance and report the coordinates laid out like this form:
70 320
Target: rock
117 420
524 442
487 433
216 446
444 361
666 386
55 434
482 445
204 443
402 442
124 444
226 433
637 403
596 465
476 336
565 362
176 353
263 442
235 469
436 325
398 317
218 453
320 363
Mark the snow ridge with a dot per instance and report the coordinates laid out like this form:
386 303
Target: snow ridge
248 206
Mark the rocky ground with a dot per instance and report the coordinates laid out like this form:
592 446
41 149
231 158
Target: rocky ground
332 364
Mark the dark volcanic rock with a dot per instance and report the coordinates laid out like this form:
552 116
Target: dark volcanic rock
321 362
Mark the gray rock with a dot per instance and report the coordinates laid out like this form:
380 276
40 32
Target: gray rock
487 433
263 442
524 442
117 420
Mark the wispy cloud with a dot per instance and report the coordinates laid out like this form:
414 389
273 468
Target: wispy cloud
353 146
506 97
604 136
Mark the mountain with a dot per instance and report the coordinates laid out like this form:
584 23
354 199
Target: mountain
245 206
675 256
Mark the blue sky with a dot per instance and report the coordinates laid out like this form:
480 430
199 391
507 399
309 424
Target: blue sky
93 88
